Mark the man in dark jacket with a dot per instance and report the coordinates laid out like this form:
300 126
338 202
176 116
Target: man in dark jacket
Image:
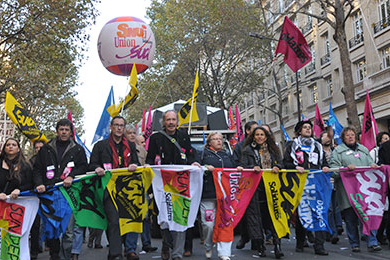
61 159
171 146
112 153
306 153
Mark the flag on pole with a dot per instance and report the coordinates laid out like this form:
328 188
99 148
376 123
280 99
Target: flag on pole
77 138
370 130
303 117
190 106
285 134
335 124
22 119
115 110
293 45
103 128
71 120
319 126
233 141
240 133
143 120
148 128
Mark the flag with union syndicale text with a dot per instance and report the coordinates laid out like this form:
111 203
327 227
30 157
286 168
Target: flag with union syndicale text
284 191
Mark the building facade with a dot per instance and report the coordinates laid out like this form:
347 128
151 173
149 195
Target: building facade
321 81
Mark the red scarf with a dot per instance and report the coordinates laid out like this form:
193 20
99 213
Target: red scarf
126 152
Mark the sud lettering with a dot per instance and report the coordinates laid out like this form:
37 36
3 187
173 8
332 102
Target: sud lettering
374 195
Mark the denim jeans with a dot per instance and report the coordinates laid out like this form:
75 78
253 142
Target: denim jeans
77 239
131 242
145 236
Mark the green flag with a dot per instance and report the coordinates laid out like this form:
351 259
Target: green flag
85 197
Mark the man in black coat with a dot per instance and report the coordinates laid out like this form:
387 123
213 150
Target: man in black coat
61 159
112 153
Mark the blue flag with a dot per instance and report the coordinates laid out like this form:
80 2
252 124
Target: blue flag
285 133
335 124
259 122
204 138
314 205
303 117
87 151
103 128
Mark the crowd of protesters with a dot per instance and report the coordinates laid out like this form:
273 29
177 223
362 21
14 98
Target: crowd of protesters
62 159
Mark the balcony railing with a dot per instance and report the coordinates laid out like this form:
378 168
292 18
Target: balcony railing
325 59
379 26
308 26
356 40
310 67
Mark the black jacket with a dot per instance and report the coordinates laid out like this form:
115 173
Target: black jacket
237 153
218 159
73 157
8 185
384 153
289 162
102 153
168 152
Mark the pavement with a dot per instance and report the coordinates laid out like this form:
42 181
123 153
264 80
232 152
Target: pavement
339 251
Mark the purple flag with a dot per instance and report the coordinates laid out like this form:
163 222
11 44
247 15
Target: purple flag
366 189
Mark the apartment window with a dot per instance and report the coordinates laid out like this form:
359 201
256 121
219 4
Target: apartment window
281 6
384 9
285 73
250 100
329 86
385 57
313 93
284 107
272 116
357 25
361 70
326 44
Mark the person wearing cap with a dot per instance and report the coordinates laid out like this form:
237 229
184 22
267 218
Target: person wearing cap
306 153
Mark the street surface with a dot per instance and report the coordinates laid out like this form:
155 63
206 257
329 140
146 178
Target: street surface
336 252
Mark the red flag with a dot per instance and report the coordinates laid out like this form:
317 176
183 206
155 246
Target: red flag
71 120
319 126
240 133
143 120
148 128
293 45
232 125
370 130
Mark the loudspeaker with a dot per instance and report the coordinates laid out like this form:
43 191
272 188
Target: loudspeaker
156 121
217 121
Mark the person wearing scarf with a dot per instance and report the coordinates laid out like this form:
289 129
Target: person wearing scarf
261 152
306 153
112 153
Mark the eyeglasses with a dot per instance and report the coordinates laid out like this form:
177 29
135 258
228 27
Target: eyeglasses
118 125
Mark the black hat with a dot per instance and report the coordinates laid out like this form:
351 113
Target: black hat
298 126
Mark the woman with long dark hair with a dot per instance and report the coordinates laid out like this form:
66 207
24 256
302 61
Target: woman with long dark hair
15 171
261 152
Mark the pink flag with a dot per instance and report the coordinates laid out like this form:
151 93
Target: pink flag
148 128
370 130
293 45
232 125
71 120
240 133
366 189
143 120
319 126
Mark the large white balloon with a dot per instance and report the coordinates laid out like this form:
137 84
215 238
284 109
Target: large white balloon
125 41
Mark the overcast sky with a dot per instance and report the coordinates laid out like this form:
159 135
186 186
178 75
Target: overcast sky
95 81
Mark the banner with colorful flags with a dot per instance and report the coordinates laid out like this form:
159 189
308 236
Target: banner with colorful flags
188 112
366 189
370 130
293 45
335 124
232 126
16 219
234 192
85 198
240 132
128 191
314 205
20 117
177 192
148 128
130 98
284 191
319 126
103 128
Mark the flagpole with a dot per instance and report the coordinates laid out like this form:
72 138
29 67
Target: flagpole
298 100
124 100
192 107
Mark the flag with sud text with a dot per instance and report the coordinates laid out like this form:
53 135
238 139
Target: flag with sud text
284 192
319 126
293 45
85 198
128 191
177 191
16 218
22 119
130 98
234 192
188 111
370 130
314 205
366 189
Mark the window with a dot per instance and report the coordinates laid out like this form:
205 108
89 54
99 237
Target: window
384 9
313 93
284 107
250 100
281 6
385 57
361 70
357 25
326 58
329 86
272 116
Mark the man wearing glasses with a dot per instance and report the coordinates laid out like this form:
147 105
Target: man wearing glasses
112 153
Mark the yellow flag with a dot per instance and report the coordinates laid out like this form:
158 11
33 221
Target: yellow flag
114 110
22 120
284 192
190 106
128 191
